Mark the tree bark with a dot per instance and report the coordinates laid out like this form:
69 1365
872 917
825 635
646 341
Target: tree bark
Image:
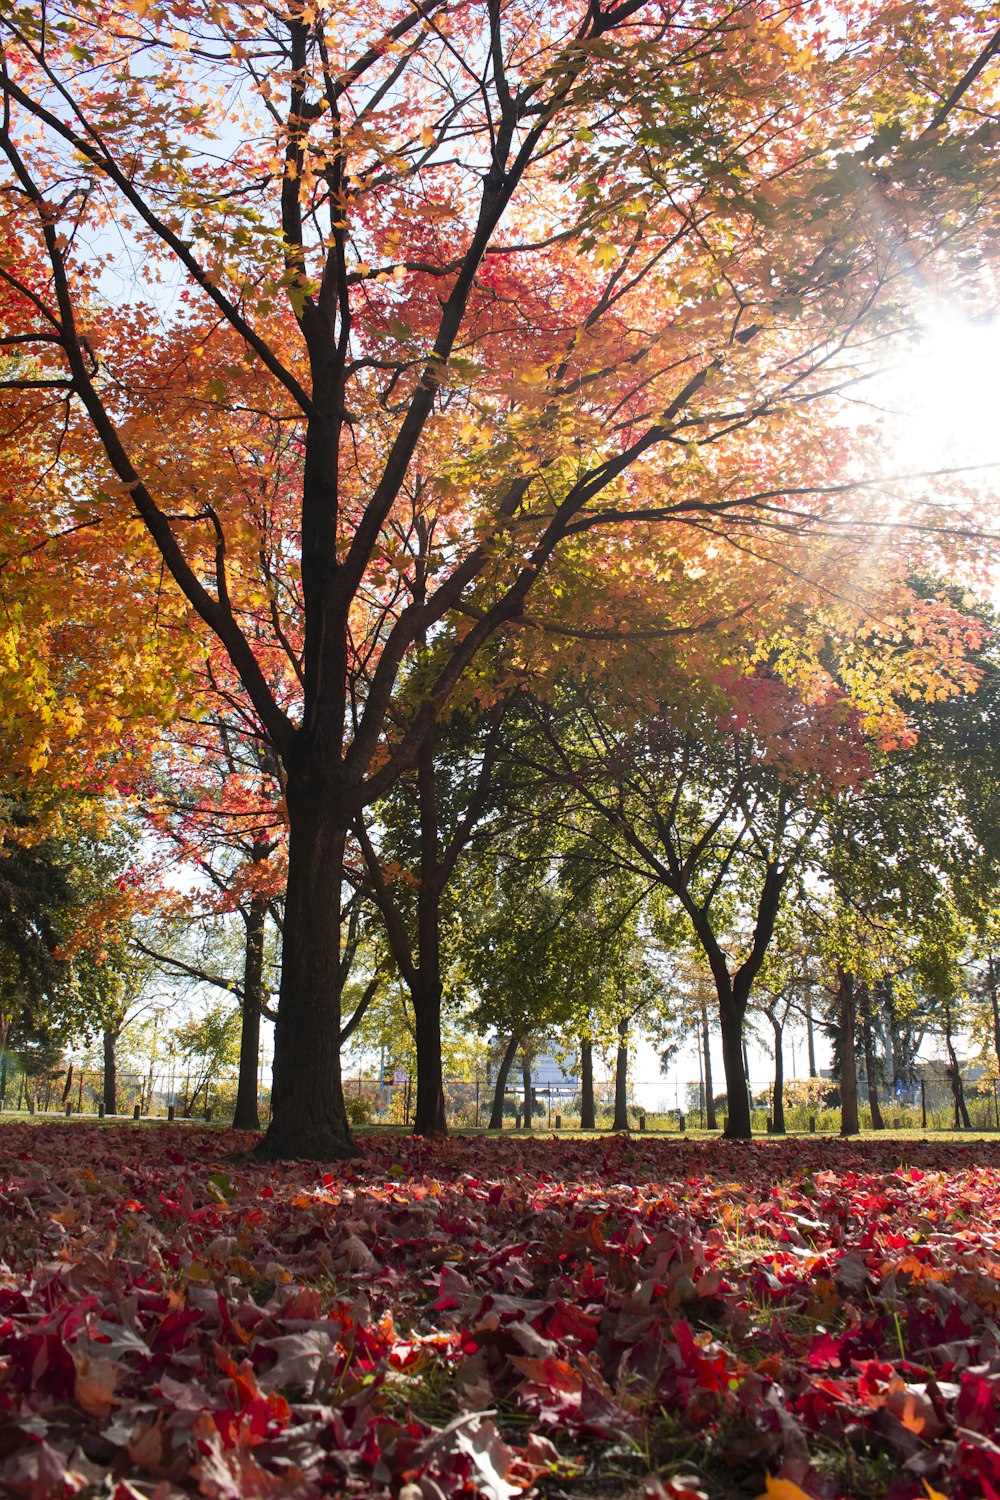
733 990
848 1073
962 1120
711 1122
309 1120
620 1121
882 1022
526 1081
993 980
588 1112
738 1127
500 1088
429 1114
246 1115
868 1041
778 1101
110 1091
810 1036
429 1117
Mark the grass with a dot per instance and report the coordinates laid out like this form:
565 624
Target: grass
539 1132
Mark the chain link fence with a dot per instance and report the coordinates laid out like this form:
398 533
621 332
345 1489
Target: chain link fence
672 1105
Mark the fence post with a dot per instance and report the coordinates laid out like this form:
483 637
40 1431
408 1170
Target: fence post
996 1104
477 1098
923 1103
136 1112
100 1109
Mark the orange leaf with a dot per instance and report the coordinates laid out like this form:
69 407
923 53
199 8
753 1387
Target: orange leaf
783 1489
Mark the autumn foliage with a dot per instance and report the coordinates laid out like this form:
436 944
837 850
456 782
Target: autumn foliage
345 339
483 1319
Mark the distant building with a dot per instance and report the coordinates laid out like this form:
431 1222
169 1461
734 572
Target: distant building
549 1078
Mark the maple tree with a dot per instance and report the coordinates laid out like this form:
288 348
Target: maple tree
456 286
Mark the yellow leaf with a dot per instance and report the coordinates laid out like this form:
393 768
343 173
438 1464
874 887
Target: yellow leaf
933 1494
783 1489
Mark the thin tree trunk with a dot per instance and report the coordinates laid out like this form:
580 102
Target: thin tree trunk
962 1120
733 990
430 1117
778 1101
110 1091
526 1081
848 1074
868 1041
246 1115
993 979
620 1121
885 1030
810 1035
500 1089
309 1119
710 1119
588 1111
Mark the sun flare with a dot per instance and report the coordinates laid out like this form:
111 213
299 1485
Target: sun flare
944 397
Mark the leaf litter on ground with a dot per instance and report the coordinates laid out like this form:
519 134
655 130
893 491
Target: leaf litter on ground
488 1318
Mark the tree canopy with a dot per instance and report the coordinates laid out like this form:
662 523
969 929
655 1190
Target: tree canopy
348 341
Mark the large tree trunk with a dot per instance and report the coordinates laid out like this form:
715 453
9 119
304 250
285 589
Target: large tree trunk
526 1081
868 1041
778 1101
620 1121
706 1040
500 1089
110 1091
588 1110
429 1115
246 1115
308 1119
738 1126
848 1073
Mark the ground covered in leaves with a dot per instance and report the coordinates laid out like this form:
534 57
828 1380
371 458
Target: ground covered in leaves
486 1318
